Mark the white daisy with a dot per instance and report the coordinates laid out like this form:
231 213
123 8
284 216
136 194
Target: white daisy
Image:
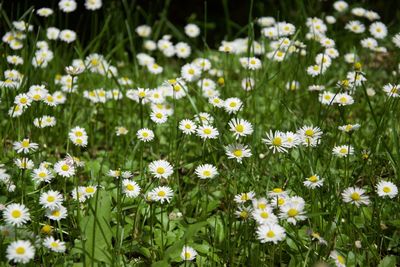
161 169
206 171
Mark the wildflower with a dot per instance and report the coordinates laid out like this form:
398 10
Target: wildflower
54 244
161 194
41 175
93 4
349 127
244 197
187 126
207 132
355 26
344 99
20 251
238 152
378 30
121 130
233 104
64 168
355 195
264 216
25 146
50 199
24 163
313 182
392 90
243 213
16 214
206 171
339 260
293 210
56 214
192 30
240 127
190 72
143 31
270 233
276 141
67 6
309 135
161 169
343 151
44 12
188 253
130 188
145 135
386 189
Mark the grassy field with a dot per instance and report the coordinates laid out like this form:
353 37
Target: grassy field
133 141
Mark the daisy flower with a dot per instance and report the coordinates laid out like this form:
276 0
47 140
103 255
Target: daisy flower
392 90
270 233
188 253
349 127
25 146
386 189
260 204
344 99
206 171
145 135
64 168
16 214
343 151
243 213
378 30
355 26
293 210
355 195
57 214
192 30
309 135
232 104
187 126
67 6
190 72
121 130
339 260
207 132
54 244
161 194
327 98
130 188
264 216
20 251
244 197
159 117
240 127
216 102
276 141
238 152
161 169
24 163
313 182
50 199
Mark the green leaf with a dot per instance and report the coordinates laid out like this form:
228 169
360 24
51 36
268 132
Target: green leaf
388 261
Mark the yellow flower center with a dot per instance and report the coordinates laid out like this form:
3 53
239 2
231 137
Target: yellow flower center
343 150
239 128
54 244
51 199
16 214
207 131
20 250
89 190
78 133
142 94
277 190
56 213
232 104
281 201
261 206
145 134
309 132
386 189
341 259
187 255
313 179
161 194
160 170
264 215
207 173
238 153
159 115
42 174
244 214
191 71
292 212
277 141
23 100
188 126
25 143
270 234
65 167
355 196
130 187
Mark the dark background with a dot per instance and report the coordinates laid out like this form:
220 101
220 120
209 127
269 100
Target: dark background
179 12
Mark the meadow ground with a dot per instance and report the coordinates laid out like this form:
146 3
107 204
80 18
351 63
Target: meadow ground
134 141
